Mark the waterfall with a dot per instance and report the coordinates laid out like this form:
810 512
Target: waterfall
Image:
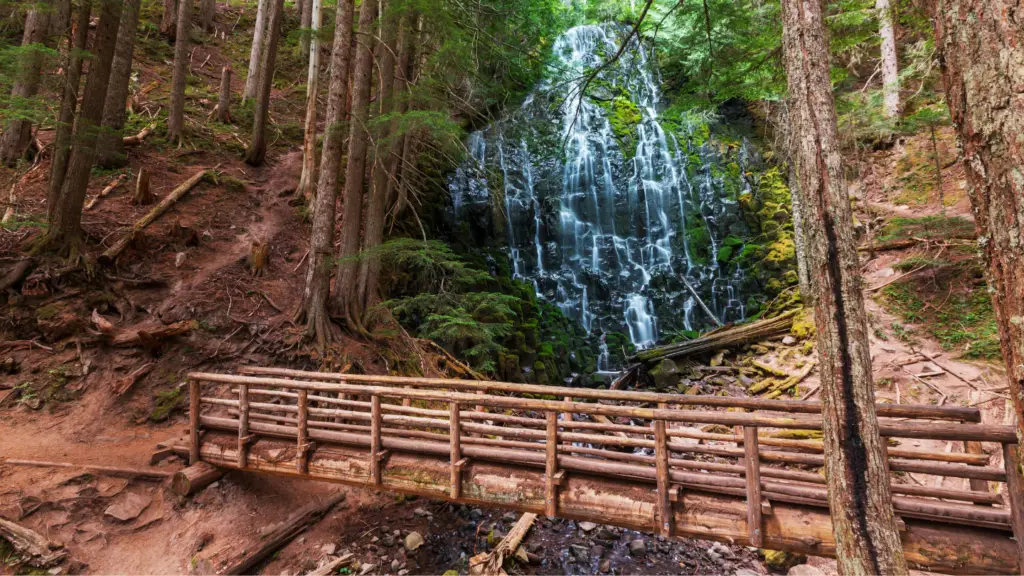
597 210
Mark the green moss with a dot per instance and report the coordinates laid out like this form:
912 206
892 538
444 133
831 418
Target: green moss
926 227
166 403
623 117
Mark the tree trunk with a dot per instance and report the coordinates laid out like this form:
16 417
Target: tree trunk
111 145
803 276
306 8
981 46
345 302
257 151
867 540
169 21
66 228
890 67
207 11
306 181
176 119
383 167
318 274
224 100
18 132
60 17
405 157
68 106
938 170
256 52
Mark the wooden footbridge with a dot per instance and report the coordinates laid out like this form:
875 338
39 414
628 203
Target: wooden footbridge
639 460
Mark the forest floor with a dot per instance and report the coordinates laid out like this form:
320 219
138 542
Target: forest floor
58 375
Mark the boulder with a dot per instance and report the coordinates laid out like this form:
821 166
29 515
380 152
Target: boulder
638 548
665 374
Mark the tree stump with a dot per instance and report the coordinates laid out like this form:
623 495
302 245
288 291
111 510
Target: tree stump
195 478
223 110
143 195
259 254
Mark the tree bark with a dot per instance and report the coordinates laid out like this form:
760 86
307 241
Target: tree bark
60 17
169 20
257 151
68 107
306 8
18 132
346 304
207 11
867 540
383 167
176 119
256 52
803 276
306 181
66 229
981 47
405 157
111 145
315 297
224 100
890 67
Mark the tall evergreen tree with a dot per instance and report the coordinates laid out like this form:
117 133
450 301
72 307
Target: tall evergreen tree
18 132
257 151
867 540
111 146
176 119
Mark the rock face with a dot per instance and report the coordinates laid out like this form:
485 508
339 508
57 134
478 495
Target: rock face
127 507
636 205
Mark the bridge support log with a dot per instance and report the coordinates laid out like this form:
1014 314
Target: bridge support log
941 547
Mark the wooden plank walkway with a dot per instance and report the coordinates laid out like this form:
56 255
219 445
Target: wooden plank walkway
651 468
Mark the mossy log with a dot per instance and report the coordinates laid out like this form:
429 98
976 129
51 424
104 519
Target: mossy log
722 338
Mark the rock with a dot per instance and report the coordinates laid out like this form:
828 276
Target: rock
746 572
580 552
366 568
413 541
597 551
805 570
789 340
718 358
329 548
179 259
476 514
421 513
395 565
510 517
403 572
714 556
606 566
388 541
781 561
665 374
128 507
587 526
638 548
607 534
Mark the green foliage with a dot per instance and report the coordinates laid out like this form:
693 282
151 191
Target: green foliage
925 227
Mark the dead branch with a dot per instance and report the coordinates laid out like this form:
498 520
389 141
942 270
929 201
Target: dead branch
140 137
332 566
103 193
152 336
125 384
489 563
33 547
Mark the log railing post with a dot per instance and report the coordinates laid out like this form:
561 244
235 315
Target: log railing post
193 421
977 484
1015 498
375 455
664 504
455 443
243 426
302 462
752 471
551 465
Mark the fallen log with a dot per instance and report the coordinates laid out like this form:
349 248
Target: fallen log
152 336
278 535
114 251
19 271
489 563
194 478
723 338
904 243
136 473
103 193
140 137
31 546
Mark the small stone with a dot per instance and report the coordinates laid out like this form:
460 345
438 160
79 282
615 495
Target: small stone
421 513
510 517
580 552
476 514
607 534
375 539
55 571
638 548
805 570
366 568
396 533
413 541
605 567
388 541
329 548
587 526
395 565
403 572
179 259
597 551
714 556
789 340
749 572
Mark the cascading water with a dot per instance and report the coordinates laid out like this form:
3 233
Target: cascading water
600 204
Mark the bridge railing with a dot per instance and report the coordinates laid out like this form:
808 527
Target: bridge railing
647 437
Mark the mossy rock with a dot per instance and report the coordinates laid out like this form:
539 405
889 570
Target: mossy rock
665 374
803 325
782 561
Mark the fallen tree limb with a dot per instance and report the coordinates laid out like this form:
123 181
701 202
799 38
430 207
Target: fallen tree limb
701 302
332 566
137 473
19 271
114 251
723 338
34 549
911 242
278 535
489 563
140 137
106 191
152 336
785 385
125 384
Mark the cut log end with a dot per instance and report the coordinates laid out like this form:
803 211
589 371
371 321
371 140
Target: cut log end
259 255
195 478
143 194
